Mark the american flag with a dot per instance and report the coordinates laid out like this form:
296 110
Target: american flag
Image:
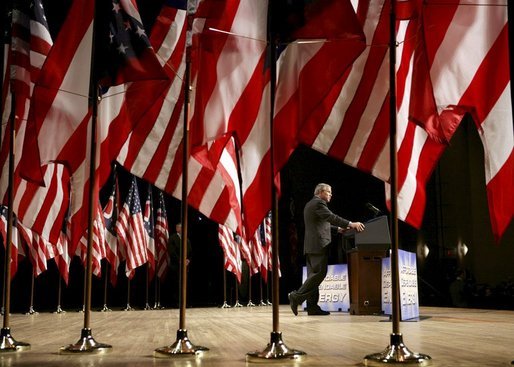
130 230
352 124
161 238
37 249
112 251
232 257
62 257
148 220
40 210
238 30
257 251
215 193
63 89
98 250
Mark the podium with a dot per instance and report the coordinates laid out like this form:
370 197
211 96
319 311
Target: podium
365 266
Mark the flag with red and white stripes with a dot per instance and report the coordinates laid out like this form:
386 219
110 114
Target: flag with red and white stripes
469 67
40 209
112 250
232 257
257 251
214 192
232 98
98 249
161 238
131 231
148 220
62 257
352 124
61 112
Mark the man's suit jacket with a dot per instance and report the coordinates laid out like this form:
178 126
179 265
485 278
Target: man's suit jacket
318 220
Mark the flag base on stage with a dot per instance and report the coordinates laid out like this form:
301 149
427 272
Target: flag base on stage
225 305
8 344
397 354
276 350
181 347
86 345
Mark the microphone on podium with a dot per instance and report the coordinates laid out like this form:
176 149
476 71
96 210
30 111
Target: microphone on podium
374 209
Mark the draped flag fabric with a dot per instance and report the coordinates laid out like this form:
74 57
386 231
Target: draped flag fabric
473 74
62 257
112 251
131 232
231 84
458 43
161 238
257 251
148 220
154 149
40 211
61 114
98 250
232 257
232 97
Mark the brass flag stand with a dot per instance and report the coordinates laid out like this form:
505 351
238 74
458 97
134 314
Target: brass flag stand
182 345
7 342
396 353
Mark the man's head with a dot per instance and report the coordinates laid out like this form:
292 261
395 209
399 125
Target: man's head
178 228
323 191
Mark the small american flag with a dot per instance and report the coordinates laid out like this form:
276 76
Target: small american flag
149 224
131 231
162 236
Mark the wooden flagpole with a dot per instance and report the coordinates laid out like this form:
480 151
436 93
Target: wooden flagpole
7 342
87 344
396 352
182 345
276 348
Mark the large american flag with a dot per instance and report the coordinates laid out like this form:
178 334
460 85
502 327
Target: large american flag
232 97
62 114
131 231
462 40
40 210
214 192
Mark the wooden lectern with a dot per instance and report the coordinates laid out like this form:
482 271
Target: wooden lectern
365 266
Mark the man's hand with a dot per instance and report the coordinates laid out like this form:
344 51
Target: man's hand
358 226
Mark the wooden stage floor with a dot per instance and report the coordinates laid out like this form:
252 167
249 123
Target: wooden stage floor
452 337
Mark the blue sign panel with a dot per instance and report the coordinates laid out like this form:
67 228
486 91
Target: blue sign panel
334 292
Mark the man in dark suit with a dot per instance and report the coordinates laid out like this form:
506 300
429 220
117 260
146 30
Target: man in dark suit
319 222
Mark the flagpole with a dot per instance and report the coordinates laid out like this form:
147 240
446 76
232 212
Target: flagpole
276 348
31 310
396 352
147 305
128 307
225 304
59 289
182 345
87 344
237 304
250 303
105 308
7 342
